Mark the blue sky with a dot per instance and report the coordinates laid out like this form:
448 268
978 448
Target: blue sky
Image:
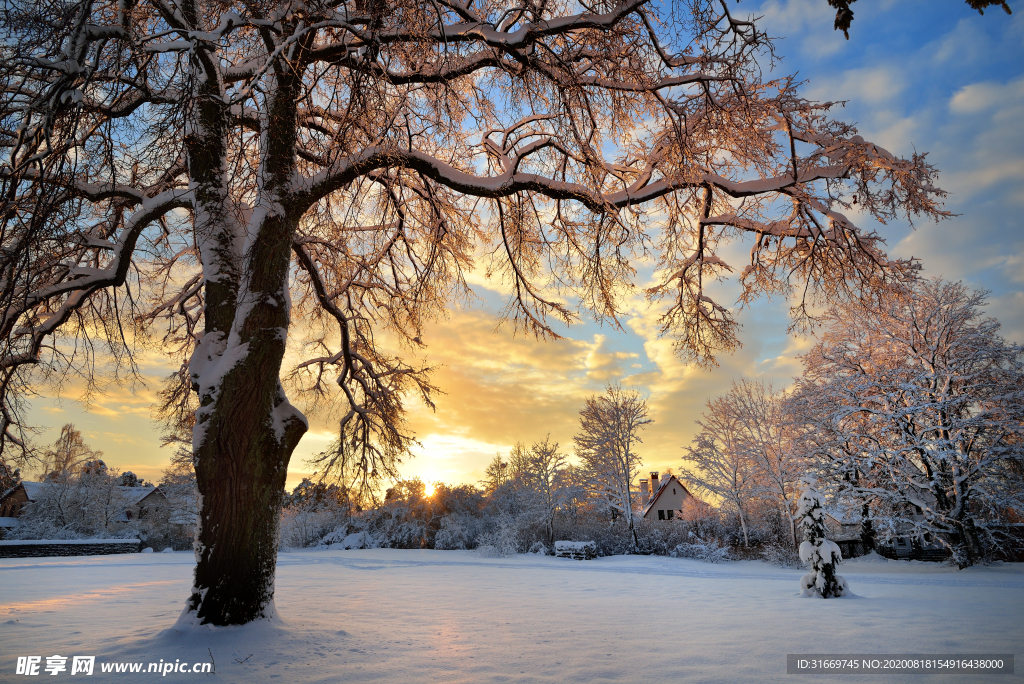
925 75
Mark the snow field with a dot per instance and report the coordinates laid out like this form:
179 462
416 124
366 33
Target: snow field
385 615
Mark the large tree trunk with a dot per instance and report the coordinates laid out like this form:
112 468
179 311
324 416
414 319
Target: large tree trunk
245 433
241 488
245 428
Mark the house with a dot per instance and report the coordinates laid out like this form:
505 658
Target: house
138 501
17 497
663 499
844 528
911 541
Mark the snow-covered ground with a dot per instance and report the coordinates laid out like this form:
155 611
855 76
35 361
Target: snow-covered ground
450 616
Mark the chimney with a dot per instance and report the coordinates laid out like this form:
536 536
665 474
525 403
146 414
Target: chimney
655 482
645 493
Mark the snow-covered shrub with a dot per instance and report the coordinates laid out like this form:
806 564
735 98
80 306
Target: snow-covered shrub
650 537
821 553
500 542
303 528
539 548
311 512
783 555
342 539
455 533
707 550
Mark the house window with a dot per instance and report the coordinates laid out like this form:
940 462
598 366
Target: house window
669 514
661 515
673 491
917 510
928 537
901 542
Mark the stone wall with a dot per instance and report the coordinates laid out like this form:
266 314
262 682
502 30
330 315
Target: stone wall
72 547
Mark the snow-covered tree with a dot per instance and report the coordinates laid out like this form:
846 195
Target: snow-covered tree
545 480
179 486
9 476
767 438
69 505
717 462
495 475
913 402
610 427
253 175
822 554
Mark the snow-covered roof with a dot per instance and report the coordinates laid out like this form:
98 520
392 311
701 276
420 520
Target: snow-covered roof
842 515
133 495
6 522
33 489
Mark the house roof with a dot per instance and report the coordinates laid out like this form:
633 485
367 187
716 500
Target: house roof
662 488
133 495
842 516
31 489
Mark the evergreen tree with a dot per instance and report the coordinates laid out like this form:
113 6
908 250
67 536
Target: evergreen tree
815 549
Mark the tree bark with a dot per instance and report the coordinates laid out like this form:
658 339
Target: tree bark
246 431
241 489
743 526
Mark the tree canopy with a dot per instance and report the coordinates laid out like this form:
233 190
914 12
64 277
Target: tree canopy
230 180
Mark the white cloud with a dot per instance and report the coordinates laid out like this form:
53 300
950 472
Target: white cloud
987 95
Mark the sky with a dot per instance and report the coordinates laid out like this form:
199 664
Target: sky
916 75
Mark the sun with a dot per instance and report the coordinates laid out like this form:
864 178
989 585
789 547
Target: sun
429 489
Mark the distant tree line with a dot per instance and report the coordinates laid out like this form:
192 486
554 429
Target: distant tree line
528 499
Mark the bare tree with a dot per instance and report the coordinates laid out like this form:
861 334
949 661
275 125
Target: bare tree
610 426
721 466
765 436
918 406
219 170
68 454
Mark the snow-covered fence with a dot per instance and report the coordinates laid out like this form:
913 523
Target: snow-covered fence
584 550
26 548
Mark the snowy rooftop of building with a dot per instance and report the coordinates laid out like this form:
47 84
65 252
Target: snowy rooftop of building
133 495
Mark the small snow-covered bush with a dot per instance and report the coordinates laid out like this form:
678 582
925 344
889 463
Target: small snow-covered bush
455 533
302 528
502 541
354 540
782 555
709 551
